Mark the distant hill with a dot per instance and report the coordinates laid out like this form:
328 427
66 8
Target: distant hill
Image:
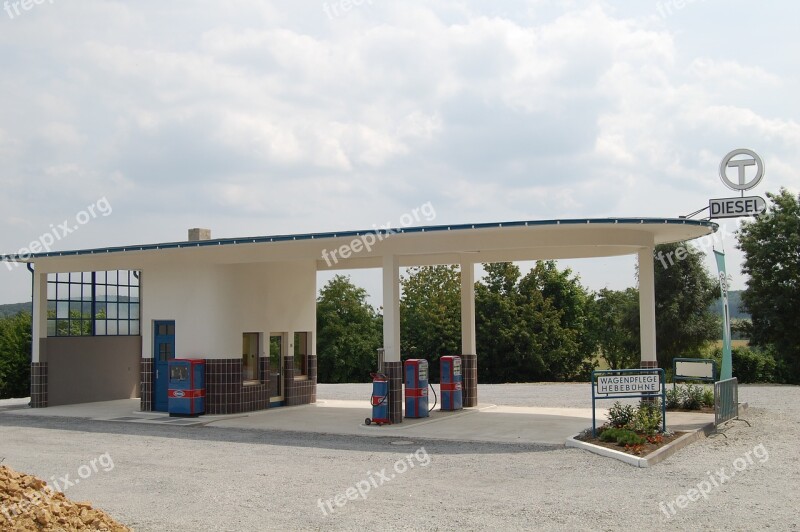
14 308
736 308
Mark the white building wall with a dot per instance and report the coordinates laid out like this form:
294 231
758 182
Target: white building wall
212 305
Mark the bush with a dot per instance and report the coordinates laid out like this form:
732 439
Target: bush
674 400
752 364
622 437
648 418
708 397
620 415
692 397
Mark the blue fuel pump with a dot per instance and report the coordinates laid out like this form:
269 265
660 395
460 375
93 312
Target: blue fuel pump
379 400
416 373
451 387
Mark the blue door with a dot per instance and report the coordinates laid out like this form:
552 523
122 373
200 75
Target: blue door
163 352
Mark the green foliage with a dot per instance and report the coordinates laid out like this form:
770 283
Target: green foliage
15 349
430 314
620 415
533 328
771 246
612 314
684 293
674 398
622 436
692 397
647 419
349 332
708 397
752 364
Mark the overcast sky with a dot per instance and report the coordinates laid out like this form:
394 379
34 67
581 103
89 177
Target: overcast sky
258 118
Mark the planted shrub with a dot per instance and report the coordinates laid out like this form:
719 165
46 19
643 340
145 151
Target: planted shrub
622 437
648 418
620 415
692 397
674 398
708 397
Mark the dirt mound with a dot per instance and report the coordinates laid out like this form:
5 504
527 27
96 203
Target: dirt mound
28 503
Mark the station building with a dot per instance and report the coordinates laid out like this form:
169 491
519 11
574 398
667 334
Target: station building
107 321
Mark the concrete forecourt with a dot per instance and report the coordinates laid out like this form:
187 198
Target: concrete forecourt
218 476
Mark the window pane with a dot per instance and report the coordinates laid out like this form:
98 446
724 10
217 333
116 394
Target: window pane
51 327
122 311
111 293
75 291
100 292
51 309
134 293
122 292
122 327
111 310
135 327
51 290
100 277
111 277
62 309
134 311
86 310
100 327
111 328
171 330
74 309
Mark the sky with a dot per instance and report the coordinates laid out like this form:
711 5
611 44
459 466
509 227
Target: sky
142 119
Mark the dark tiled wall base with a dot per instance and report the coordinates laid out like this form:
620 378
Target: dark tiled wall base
38 384
146 385
226 392
394 370
300 392
469 367
648 364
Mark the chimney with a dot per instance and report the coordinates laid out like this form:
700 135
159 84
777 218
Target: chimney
198 234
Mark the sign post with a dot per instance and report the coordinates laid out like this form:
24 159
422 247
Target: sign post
629 384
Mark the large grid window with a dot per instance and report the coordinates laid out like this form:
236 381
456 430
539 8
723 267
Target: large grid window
93 303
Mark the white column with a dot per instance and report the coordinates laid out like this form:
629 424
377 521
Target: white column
468 309
647 307
39 317
391 308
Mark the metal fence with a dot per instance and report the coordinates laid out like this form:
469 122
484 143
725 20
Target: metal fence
726 400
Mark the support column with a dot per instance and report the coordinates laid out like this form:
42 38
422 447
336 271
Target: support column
38 336
647 308
469 356
391 336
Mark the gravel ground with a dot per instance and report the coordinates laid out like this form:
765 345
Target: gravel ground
206 478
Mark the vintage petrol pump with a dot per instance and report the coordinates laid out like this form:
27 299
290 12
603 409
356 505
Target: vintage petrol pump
186 394
379 400
416 372
451 383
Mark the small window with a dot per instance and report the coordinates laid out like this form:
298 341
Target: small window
250 352
302 341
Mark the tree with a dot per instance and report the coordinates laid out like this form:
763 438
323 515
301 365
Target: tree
15 350
430 314
614 314
349 332
684 293
532 328
771 245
